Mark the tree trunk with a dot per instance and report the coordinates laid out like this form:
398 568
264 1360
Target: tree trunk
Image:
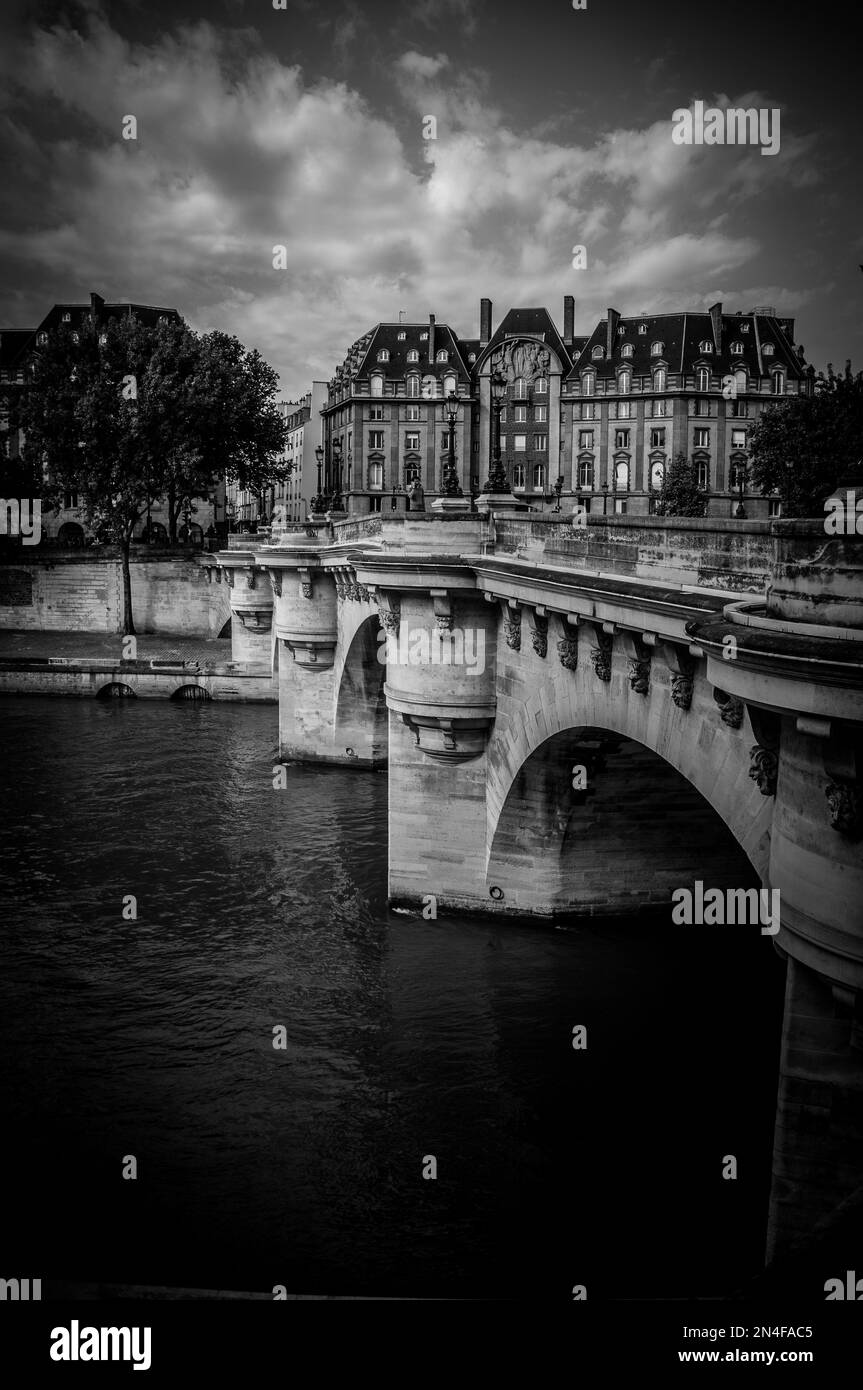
173 513
128 627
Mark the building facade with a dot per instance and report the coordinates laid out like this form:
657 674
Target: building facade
595 419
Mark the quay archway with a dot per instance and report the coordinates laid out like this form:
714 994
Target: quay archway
361 717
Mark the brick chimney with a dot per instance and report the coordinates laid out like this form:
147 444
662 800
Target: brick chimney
431 337
568 319
97 304
611 331
716 324
484 321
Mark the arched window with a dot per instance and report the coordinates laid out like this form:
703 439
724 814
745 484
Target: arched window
442 355
778 383
621 475
585 473
541 385
736 349
657 474
413 355
41 338
702 379
520 389
539 475
413 384
377 385
450 385
518 475
656 349
588 384
626 350
412 471
659 379
767 349
624 381
383 355
598 353
705 347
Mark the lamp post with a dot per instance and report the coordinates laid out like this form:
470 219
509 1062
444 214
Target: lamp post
336 494
497 482
558 489
474 491
451 486
319 502
740 510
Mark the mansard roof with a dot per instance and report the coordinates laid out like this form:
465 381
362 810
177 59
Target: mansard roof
386 336
530 323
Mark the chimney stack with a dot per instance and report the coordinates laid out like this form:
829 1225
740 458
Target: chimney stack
97 303
431 337
716 323
484 321
611 331
568 320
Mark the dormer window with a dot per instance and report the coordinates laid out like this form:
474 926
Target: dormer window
588 384
41 338
626 350
621 330
402 337
767 349
705 347
67 318
450 386
383 355
377 385
744 328
656 349
471 357
642 328
624 381
598 353
413 355
442 355
413 384
702 379
736 349
659 379
424 337
779 383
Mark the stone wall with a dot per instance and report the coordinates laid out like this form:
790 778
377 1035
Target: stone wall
82 591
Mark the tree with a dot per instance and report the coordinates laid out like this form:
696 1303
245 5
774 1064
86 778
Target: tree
681 495
803 447
126 413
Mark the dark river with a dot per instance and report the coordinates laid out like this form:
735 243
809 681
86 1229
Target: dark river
405 1038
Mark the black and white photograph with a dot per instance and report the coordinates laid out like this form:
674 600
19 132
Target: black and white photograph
431 661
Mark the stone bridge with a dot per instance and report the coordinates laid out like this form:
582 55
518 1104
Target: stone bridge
582 720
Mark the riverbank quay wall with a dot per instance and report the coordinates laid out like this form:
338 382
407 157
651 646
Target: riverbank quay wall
82 591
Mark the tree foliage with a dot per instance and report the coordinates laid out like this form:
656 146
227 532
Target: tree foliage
680 494
803 447
126 413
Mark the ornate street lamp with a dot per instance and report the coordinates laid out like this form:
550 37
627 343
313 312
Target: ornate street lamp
319 502
497 482
450 478
558 489
336 504
740 510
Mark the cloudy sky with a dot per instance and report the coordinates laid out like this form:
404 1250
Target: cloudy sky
303 127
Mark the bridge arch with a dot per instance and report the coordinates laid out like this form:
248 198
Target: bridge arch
115 690
361 721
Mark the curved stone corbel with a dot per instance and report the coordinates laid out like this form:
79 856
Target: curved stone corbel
229 577
764 768
444 609
601 653
731 709
846 808
638 655
681 664
539 632
251 577
389 611
511 612
255 619
276 581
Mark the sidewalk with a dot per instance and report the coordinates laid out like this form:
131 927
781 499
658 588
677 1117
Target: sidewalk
102 646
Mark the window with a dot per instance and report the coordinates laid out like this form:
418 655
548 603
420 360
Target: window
740 379
624 410
736 349
413 355
424 337
412 471
642 328
737 475
442 355
657 474
376 439
377 386
700 406
376 474
375 504
383 355
620 506
519 443
656 349
402 337
41 338
588 384
520 391
661 408
412 441
450 386
413 384
774 506
589 411
503 415
739 408
520 414
585 473
657 439
624 381
542 385
744 327
539 475
767 349
67 318
659 379
540 414
626 350
471 357
376 412
540 442
738 439
444 440
702 379
70 500
518 475
621 475
413 413
701 439
705 347
778 383
621 439
598 353
585 439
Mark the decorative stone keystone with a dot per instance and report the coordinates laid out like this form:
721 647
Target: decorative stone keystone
846 809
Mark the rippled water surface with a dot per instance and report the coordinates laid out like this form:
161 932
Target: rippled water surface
405 1038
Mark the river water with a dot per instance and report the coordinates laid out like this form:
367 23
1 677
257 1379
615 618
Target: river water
404 1039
